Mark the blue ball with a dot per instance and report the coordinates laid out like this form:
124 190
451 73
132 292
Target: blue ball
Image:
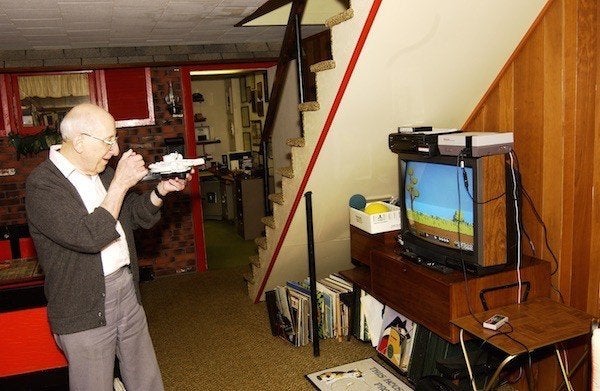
358 201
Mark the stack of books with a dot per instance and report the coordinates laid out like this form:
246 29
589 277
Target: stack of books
290 315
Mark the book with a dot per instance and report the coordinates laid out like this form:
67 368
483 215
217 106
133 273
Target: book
274 314
396 331
286 316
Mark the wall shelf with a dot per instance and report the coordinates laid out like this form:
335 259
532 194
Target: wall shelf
205 142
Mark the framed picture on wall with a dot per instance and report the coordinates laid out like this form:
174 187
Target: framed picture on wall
245 116
250 80
243 93
256 130
260 109
247 141
259 90
253 100
265 87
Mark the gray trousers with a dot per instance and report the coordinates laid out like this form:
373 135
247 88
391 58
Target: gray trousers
91 353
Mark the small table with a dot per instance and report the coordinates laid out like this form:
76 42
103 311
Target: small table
536 324
21 270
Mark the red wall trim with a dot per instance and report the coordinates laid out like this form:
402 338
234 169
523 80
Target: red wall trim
334 107
190 151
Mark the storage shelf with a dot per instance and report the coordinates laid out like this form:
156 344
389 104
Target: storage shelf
208 142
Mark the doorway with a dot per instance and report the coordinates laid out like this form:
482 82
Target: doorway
222 107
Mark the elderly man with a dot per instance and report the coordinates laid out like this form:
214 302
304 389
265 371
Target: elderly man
81 216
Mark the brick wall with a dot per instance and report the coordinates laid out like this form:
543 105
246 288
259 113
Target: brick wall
169 246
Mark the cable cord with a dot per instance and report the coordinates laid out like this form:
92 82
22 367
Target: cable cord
517 224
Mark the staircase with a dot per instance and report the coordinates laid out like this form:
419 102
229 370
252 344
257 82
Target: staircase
363 94
285 204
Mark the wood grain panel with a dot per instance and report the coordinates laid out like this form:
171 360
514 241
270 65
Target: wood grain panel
549 88
529 113
552 175
568 83
494 210
584 145
547 95
594 290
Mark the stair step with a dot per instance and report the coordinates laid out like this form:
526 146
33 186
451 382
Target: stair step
255 260
287 172
269 221
322 66
261 242
339 18
296 142
276 198
249 277
309 106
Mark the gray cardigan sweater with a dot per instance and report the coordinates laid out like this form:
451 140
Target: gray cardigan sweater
68 241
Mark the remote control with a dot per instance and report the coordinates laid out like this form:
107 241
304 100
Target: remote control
495 322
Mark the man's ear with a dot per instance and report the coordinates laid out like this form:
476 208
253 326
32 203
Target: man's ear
78 143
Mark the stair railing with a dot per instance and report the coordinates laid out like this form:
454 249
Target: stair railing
291 48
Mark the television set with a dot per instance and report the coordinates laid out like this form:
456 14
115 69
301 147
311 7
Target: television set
459 212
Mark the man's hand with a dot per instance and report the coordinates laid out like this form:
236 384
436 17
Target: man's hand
174 184
130 170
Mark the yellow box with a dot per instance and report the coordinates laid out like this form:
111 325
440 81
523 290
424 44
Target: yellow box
378 222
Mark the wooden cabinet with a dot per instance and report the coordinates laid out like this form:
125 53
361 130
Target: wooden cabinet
432 299
211 199
228 200
362 243
249 207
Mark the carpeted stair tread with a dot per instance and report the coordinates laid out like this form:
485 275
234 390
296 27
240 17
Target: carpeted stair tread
287 172
261 242
322 66
276 198
249 277
269 221
296 142
255 260
309 106
339 18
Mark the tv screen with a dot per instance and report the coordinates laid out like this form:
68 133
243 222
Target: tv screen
438 207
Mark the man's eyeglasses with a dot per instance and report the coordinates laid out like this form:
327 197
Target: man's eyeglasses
110 141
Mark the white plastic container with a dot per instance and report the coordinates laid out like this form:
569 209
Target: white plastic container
379 222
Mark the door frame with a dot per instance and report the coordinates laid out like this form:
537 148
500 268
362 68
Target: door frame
190 144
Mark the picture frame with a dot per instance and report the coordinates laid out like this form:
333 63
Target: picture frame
260 109
253 100
245 116
256 130
259 90
265 87
247 137
243 90
250 80
202 133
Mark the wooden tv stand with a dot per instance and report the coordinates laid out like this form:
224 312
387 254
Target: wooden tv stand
433 299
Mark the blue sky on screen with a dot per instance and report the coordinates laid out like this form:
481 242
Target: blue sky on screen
439 190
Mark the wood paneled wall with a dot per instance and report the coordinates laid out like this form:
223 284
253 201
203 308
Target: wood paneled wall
547 94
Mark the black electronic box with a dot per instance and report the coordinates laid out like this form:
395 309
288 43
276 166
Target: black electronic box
421 142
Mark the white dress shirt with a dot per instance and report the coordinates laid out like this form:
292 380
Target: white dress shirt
92 192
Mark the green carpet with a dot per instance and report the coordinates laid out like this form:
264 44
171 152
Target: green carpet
224 247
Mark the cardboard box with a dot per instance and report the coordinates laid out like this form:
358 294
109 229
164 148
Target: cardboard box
379 222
